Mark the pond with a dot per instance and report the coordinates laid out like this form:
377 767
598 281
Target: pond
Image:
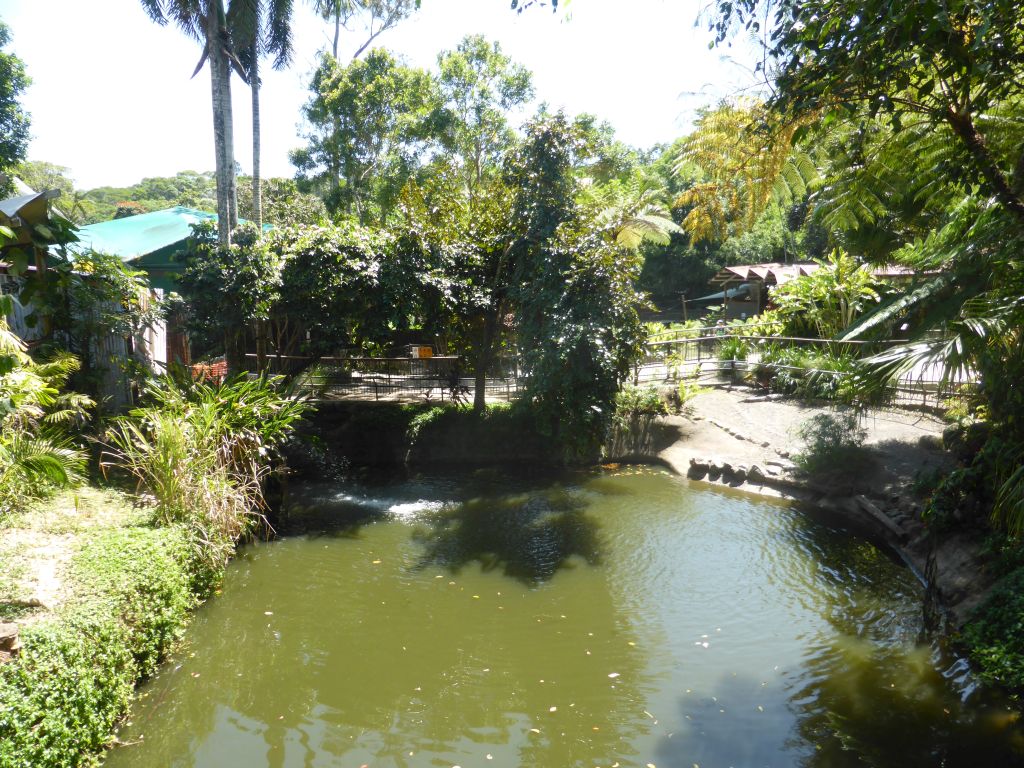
622 617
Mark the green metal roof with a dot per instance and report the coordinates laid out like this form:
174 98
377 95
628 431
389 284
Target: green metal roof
133 237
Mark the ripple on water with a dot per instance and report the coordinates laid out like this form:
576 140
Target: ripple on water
572 621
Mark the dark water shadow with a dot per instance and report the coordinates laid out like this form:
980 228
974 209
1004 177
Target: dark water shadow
528 537
846 716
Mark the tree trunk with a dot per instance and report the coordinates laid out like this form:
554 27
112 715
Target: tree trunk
220 80
337 29
963 126
254 84
483 361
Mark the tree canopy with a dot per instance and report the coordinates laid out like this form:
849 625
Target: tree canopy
14 121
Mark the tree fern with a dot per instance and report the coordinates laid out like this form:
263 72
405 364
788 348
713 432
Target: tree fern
748 160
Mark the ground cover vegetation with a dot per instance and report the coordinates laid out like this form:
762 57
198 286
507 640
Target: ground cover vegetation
196 456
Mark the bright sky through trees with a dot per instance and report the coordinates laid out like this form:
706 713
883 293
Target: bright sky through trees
112 100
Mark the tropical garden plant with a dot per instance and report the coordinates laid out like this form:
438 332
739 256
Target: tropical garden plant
37 454
202 451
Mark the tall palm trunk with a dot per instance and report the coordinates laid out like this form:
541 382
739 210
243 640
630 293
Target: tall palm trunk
257 192
254 85
223 127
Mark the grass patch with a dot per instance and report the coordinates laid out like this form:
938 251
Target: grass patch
62 698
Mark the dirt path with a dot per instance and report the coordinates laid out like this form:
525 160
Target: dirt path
743 427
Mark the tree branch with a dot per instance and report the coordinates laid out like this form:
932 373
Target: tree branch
963 126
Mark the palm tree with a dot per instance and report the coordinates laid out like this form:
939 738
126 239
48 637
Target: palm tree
206 21
260 27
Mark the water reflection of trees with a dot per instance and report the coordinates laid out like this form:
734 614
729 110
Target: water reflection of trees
869 691
323 678
528 537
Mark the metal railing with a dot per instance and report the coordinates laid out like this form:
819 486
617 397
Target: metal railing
694 352
393 378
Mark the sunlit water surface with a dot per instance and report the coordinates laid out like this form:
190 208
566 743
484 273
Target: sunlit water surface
610 618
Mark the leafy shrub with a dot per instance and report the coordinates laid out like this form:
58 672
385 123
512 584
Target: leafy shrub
687 390
813 374
994 637
733 348
60 700
36 453
637 402
833 448
202 451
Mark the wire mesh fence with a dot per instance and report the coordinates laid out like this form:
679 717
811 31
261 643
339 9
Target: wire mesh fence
668 357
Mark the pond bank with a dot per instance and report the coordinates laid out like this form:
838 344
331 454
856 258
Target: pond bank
739 438
730 436
92 596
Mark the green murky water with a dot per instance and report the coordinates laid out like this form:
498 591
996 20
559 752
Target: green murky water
618 618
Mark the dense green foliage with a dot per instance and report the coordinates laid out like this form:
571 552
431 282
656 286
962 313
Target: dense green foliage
62 698
638 402
36 451
229 288
14 121
995 636
369 123
827 301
